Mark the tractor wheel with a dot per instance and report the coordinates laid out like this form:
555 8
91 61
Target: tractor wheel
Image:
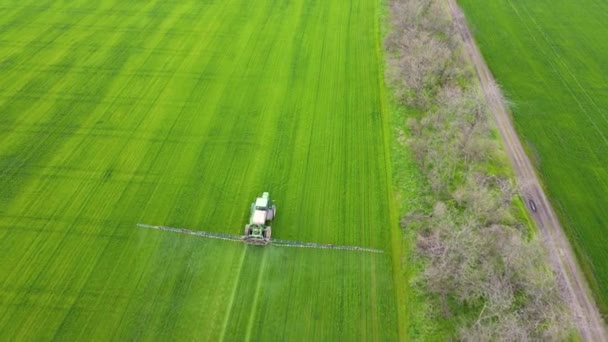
272 212
267 233
247 231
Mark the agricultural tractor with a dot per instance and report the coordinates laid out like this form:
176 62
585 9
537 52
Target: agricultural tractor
257 232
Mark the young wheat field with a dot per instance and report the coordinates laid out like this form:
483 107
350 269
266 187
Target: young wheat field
179 113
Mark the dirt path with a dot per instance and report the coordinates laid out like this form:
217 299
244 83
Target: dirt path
574 284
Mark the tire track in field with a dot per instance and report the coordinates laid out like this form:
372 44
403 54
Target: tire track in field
575 288
256 298
233 294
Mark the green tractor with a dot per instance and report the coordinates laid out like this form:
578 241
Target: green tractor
257 232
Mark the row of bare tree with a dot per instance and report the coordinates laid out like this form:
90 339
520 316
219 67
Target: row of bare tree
482 268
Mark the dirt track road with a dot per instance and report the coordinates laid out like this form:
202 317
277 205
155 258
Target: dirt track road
584 309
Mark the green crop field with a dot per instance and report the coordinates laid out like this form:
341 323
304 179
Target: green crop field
178 113
551 59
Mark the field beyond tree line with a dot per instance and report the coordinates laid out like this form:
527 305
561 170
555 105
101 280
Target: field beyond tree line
550 59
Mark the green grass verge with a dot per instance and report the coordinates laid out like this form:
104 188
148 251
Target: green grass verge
550 58
179 114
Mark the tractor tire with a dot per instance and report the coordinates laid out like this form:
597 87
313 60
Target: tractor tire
247 231
272 212
267 232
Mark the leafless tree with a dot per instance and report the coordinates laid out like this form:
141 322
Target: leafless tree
474 252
